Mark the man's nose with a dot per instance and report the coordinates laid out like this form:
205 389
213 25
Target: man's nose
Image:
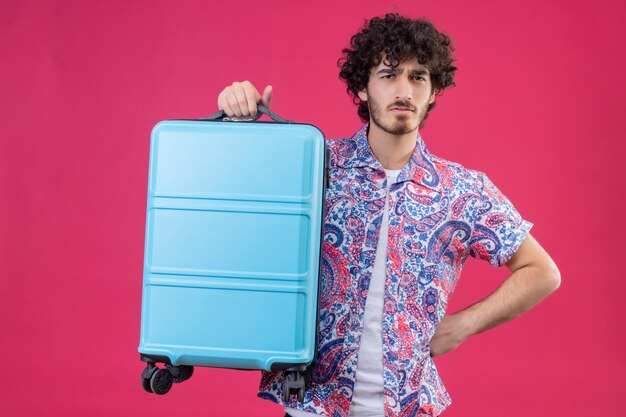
403 89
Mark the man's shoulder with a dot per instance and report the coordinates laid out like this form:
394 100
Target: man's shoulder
454 167
341 148
339 141
455 175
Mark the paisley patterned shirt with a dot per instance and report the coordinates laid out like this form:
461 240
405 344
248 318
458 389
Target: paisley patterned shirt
439 213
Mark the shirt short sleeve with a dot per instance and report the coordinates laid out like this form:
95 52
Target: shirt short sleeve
498 229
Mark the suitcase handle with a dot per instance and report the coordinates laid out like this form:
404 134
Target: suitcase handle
262 110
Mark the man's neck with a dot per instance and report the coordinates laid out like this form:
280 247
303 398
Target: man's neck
392 151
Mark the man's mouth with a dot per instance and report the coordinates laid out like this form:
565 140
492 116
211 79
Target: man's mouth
401 109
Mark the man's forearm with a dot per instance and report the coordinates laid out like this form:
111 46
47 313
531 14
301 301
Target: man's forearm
524 288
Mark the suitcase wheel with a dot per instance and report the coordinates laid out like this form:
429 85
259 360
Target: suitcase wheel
145 383
293 384
146 375
180 373
161 381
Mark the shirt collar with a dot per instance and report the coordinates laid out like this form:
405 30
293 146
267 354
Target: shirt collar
421 169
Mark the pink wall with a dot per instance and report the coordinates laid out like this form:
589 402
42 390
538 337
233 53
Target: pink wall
539 107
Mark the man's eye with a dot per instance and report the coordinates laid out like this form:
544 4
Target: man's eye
388 76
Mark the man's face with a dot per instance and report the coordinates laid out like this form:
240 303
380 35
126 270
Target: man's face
398 98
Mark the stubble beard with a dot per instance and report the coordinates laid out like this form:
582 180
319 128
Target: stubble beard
401 125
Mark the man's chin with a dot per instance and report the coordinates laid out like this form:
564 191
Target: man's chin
399 125
402 128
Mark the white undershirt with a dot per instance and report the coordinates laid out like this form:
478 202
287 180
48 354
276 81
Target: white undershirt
368 399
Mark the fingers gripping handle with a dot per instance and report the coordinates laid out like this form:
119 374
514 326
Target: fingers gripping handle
261 109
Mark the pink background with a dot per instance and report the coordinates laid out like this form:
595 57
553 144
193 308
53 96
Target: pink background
539 107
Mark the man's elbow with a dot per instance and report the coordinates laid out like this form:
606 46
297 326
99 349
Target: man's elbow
551 278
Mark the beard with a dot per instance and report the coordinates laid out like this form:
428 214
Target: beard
400 124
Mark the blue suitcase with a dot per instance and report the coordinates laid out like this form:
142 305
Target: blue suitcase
232 249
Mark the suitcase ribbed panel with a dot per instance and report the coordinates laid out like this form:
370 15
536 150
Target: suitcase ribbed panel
232 243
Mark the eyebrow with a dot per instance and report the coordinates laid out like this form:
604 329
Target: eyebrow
395 70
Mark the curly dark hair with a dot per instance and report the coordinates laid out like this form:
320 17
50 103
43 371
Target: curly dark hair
396 38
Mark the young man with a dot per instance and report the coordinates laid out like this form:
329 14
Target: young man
399 225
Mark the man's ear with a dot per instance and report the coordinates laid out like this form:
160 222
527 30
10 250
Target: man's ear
363 95
432 97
